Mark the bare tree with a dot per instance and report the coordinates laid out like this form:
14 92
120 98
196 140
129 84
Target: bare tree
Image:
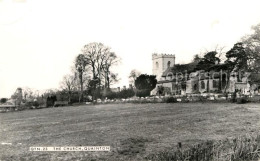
220 50
110 60
50 91
252 47
95 54
100 59
84 80
80 65
133 75
68 84
27 92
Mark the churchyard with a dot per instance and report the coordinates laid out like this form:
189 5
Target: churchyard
133 131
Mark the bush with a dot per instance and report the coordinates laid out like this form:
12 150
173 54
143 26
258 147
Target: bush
41 102
126 93
242 100
255 98
170 100
3 100
28 104
111 95
35 104
143 93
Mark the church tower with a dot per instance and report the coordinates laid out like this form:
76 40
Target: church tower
161 62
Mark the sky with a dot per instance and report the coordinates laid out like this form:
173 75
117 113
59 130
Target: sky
39 39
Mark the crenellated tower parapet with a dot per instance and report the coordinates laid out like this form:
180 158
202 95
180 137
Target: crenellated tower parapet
161 62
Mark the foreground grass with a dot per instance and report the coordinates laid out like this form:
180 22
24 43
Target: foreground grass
134 131
236 149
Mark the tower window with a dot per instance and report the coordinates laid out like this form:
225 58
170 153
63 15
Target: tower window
169 64
195 87
157 65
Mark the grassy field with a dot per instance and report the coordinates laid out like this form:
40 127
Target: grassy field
133 131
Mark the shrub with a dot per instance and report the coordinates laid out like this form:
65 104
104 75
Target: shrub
255 98
28 105
35 104
3 100
127 93
111 95
41 102
143 93
78 104
170 100
241 100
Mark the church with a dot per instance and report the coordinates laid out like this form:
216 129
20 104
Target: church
182 79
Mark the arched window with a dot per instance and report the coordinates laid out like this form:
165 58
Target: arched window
157 65
169 64
202 85
195 87
215 84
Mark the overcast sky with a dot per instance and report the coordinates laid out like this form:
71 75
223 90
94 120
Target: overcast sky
39 39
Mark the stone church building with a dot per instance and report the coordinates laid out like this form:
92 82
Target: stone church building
181 79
